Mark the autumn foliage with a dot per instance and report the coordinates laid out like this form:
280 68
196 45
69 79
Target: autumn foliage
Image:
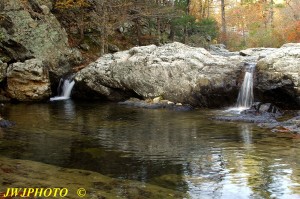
71 4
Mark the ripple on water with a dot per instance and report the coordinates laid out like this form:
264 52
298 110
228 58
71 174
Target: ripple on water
182 151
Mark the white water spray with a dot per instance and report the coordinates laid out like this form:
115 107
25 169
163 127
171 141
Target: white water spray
245 98
64 88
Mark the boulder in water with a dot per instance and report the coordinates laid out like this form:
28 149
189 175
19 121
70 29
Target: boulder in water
150 104
5 123
175 71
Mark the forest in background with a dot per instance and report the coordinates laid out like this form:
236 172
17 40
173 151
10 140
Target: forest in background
111 25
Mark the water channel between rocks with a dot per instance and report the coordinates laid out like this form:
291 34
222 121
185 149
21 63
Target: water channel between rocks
182 152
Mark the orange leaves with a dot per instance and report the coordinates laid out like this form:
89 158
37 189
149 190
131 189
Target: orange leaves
71 4
293 32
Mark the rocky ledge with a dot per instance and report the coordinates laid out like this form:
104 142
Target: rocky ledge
175 71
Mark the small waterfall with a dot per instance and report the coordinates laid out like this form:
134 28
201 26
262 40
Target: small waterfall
64 89
245 98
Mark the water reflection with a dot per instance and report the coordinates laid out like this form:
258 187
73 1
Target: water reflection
183 151
246 134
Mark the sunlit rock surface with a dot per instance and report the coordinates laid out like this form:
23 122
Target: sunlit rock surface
278 75
28 81
176 72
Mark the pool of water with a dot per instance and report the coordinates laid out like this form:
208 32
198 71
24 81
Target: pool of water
183 151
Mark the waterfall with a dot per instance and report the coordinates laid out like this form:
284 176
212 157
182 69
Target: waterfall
64 89
245 98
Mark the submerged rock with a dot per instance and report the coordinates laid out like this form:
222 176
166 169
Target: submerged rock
174 71
5 123
258 113
163 104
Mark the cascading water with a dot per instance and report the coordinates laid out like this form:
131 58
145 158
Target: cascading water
245 97
64 89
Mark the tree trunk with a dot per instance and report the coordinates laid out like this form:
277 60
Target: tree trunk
138 31
272 14
158 29
208 9
224 29
185 31
103 28
172 32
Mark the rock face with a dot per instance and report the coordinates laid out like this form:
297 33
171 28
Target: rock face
174 71
28 30
28 81
278 76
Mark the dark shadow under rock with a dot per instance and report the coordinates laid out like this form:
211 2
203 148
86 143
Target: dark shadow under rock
133 102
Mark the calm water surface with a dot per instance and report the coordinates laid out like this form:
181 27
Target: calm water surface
184 151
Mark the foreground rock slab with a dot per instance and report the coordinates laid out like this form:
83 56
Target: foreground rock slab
25 173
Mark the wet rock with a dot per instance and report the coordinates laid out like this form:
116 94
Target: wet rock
5 123
174 71
266 109
163 104
249 118
28 81
289 126
258 113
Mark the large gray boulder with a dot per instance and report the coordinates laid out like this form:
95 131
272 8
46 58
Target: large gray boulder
278 76
174 71
29 30
28 81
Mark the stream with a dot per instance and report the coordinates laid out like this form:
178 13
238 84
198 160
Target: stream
186 152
